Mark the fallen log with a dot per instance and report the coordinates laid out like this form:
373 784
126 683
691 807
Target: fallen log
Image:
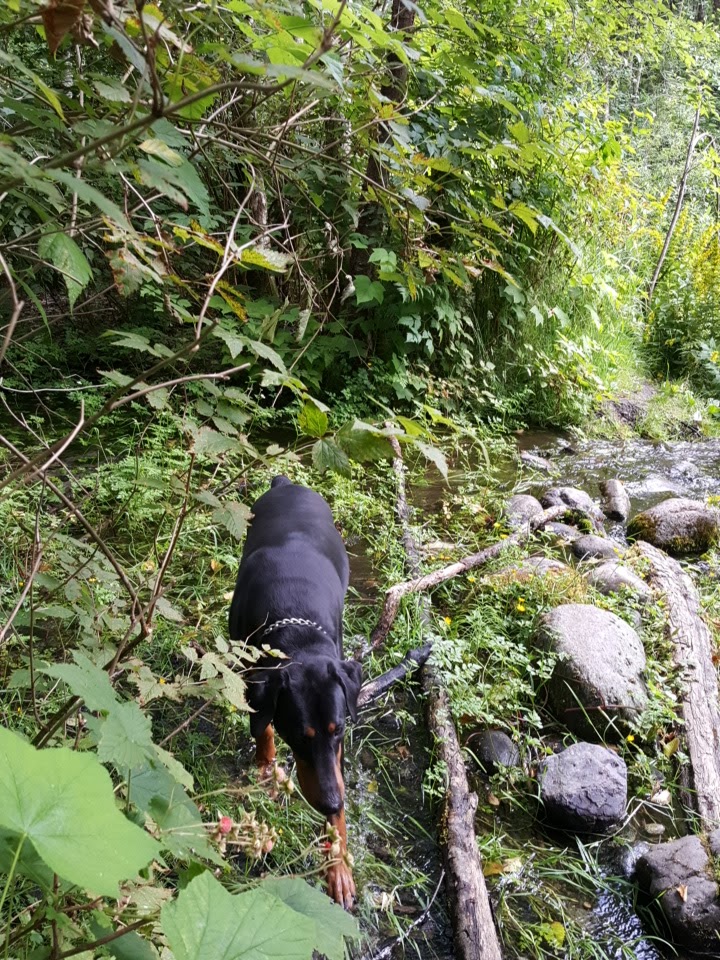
473 925
692 653
376 688
420 584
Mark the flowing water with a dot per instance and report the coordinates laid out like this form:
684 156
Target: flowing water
651 472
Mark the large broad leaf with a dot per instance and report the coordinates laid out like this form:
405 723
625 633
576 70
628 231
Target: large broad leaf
158 794
332 923
67 257
63 803
327 455
312 420
86 680
208 922
126 736
234 517
435 456
362 441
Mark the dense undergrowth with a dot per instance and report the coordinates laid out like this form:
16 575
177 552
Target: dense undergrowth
236 239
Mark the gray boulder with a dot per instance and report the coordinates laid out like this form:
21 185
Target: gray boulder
679 876
494 749
592 547
616 502
536 462
600 667
678 526
573 499
563 531
584 788
522 508
614 577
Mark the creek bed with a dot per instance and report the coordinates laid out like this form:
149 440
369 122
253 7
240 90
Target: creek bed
651 472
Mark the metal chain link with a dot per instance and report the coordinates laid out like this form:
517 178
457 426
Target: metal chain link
294 621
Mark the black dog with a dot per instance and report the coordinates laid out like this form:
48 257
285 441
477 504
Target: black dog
289 596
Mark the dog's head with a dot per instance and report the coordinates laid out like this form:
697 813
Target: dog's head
308 702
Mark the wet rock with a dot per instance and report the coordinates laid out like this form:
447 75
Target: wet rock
614 577
495 749
534 567
678 526
522 508
536 462
563 530
600 667
592 547
573 499
686 469
679 876
584 788
616 502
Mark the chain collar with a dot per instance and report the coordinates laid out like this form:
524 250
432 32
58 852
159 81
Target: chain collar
294 621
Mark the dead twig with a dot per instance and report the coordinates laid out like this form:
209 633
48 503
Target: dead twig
420 584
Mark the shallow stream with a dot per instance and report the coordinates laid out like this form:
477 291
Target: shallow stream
391 805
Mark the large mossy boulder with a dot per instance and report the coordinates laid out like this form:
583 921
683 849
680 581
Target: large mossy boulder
598 678
678 526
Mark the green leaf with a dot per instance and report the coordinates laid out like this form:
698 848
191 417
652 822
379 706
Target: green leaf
113 91
130 946
62 802
157 148
435 456
332 923
368 291
125 737
67 257
361 441
209 443
234 517
208 922
312 420
89 194
261 349
327 455
157 793
266 259
86 680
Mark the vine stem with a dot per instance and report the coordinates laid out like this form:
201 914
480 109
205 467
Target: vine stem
11 874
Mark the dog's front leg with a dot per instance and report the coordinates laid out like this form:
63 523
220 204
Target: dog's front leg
341 885
265 751
338 872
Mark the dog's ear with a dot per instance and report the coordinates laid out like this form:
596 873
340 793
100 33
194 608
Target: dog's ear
263 692
349 673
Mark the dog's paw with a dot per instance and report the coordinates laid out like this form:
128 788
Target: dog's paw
341 886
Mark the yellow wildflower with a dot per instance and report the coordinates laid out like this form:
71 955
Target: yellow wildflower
161 680
448 620
630 738
471 579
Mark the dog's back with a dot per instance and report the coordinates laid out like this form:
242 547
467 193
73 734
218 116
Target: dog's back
294 564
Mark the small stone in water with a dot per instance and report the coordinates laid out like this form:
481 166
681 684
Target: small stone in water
654 829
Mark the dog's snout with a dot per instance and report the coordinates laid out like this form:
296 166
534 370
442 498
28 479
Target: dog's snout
330 804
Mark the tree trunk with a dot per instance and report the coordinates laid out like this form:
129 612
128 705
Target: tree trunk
693 655
678 204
